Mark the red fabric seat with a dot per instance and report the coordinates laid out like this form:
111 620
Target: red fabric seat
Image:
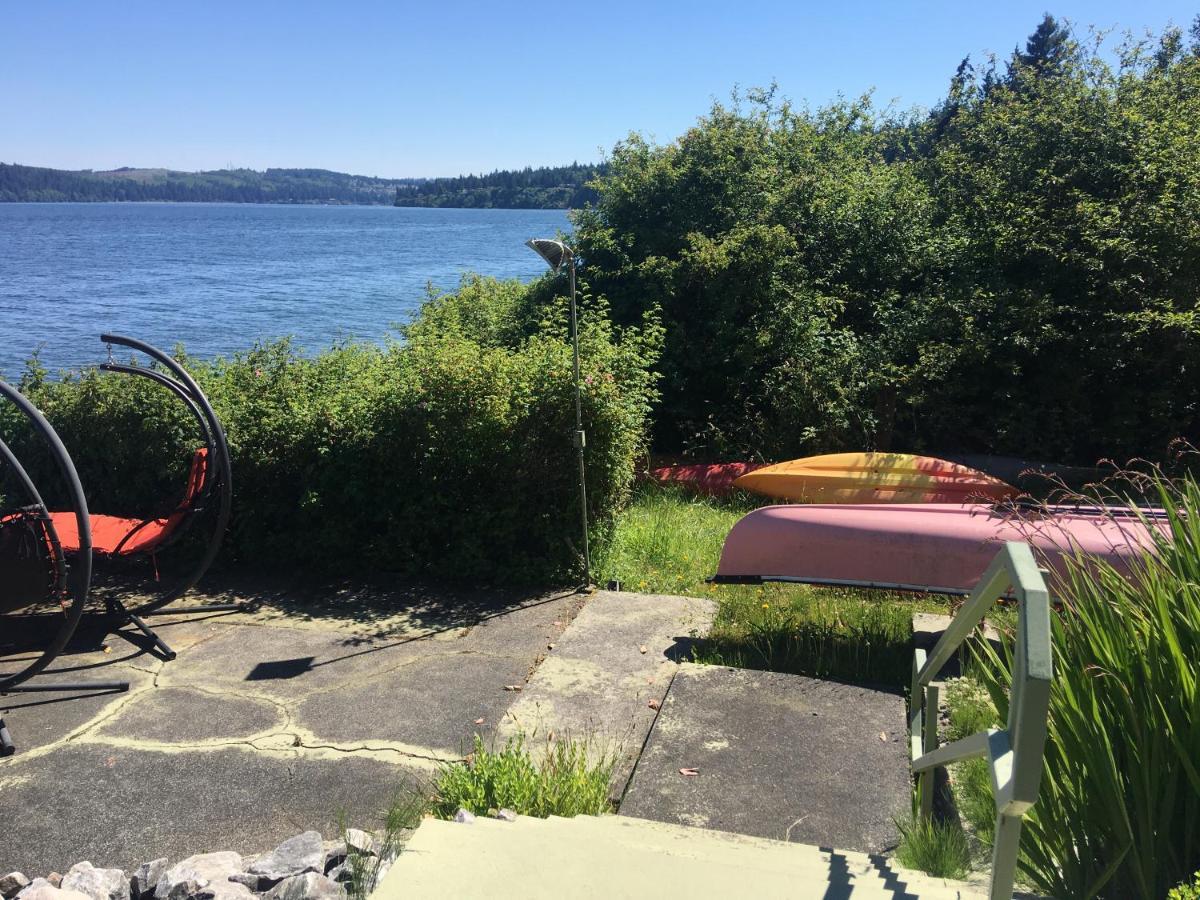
115 536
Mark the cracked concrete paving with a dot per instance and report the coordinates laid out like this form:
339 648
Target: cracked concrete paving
266 724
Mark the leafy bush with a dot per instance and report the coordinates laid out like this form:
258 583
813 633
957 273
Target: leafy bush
564 782
1187 890
1118 814
1016 272
449 451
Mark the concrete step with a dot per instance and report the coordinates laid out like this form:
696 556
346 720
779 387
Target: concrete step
779 756
598 682
622 857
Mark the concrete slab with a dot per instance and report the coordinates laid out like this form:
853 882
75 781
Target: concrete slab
154 717
777 756
433 703
266 725
604 679
928 629
120 806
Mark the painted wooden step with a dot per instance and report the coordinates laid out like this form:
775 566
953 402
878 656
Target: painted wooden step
623 857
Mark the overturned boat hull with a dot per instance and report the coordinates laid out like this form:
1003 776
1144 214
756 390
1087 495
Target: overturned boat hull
938 548
861 478
714 479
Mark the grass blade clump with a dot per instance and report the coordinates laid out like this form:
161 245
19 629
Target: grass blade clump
1119 810
933 847
365 870
565 780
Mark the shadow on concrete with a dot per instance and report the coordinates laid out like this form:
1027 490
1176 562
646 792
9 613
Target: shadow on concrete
842 885
377 606
372 600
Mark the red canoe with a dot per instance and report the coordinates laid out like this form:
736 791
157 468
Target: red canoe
705 478
927 547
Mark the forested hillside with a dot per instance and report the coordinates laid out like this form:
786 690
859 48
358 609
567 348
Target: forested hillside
560 187
546 188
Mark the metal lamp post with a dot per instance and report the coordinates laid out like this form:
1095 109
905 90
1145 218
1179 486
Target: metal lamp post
555 253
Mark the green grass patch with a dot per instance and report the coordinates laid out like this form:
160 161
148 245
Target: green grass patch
562 780
972 711
936 848
669 541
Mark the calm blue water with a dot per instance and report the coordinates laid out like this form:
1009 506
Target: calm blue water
218 277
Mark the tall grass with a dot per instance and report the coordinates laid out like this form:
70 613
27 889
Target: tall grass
366 870
1119 810
669 541
563 781
933 847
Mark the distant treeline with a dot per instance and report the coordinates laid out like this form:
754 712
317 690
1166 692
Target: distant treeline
547 188
555 187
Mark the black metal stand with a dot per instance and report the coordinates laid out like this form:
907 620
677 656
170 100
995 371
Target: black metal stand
7 747
119 616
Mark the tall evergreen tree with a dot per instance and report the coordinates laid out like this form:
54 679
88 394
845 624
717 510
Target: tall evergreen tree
1046 51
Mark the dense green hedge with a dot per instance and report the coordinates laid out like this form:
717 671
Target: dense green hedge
1017 271
446 452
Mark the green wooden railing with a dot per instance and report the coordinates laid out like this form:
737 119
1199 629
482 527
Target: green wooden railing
1014 752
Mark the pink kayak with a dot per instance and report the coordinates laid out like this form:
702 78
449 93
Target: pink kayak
715 479
926 547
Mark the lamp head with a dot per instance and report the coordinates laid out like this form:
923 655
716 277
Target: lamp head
555 253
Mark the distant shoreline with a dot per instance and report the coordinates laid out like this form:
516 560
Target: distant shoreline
546 188
274 203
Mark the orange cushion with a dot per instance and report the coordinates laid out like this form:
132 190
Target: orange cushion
108 532
112 535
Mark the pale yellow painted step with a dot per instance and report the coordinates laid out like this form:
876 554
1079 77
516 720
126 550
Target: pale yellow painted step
621 857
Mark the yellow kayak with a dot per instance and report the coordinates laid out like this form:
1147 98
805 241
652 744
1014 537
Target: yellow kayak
874 478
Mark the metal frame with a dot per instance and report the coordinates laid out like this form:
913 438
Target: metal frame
1014 753
75 582
218 482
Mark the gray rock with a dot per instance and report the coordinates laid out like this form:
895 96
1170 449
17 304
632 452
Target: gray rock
335 854
464 817
361 842
12 884
206 873
341 873
253 882
295 856
186 889
43 889
99 884
506 815
226 890
54 878
309 886
145 879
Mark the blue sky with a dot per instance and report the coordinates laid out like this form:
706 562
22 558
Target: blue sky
396 89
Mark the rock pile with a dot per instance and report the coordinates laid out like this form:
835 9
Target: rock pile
304 867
